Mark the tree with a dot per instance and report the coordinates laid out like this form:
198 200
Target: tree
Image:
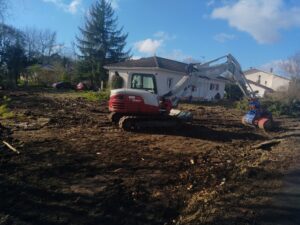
31 45
40 45
12 54
292 65
47 42
101 42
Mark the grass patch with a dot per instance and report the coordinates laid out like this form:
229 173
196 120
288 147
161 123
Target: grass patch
96 96
5 113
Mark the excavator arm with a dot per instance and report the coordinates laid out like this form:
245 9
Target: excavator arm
229 69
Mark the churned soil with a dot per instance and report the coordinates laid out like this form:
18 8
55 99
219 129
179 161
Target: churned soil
75 168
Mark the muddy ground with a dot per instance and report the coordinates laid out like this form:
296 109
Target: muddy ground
75 168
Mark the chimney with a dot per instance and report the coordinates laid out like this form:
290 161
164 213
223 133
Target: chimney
271 70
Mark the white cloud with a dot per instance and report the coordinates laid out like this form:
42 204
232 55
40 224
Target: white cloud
71 7
164 36
175 54
114 3
223 37
262 19
148 46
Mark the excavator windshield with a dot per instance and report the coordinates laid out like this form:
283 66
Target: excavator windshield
144 82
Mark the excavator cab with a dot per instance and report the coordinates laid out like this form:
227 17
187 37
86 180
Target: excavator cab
145 82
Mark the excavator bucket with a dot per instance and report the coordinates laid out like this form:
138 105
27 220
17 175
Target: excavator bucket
265 124
257 116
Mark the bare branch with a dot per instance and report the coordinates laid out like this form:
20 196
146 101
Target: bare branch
292 65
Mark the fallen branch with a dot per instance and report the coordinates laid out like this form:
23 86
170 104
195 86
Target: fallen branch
11 147
267 144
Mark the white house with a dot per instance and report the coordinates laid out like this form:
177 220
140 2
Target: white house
266 82
165 73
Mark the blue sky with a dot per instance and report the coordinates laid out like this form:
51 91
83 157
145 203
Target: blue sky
259 33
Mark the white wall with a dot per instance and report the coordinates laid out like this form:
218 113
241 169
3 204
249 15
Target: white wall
260 91
265 80
162 81
203 89
269 80
280 84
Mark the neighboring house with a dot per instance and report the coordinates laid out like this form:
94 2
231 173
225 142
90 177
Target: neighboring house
166 73
266 82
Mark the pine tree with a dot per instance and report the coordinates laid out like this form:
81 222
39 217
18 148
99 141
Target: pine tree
101 42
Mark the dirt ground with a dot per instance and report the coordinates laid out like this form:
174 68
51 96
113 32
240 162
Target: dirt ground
75 168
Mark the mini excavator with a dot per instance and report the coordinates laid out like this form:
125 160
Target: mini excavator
134 109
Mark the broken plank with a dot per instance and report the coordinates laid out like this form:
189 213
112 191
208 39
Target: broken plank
11 147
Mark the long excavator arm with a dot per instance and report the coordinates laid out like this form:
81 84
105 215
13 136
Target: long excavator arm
229 69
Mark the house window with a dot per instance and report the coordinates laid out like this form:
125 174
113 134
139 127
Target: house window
144 82
214 87
169 82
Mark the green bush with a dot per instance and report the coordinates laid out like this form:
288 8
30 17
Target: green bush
97 96
283 107
242 104
278 107
284 102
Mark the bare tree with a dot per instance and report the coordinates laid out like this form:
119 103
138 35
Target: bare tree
40 44
292 65
31 43
47 42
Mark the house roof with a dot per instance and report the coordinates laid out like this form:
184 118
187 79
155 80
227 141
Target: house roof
260 85
254 70
152 62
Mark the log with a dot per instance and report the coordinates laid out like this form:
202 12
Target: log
11 147
267 144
